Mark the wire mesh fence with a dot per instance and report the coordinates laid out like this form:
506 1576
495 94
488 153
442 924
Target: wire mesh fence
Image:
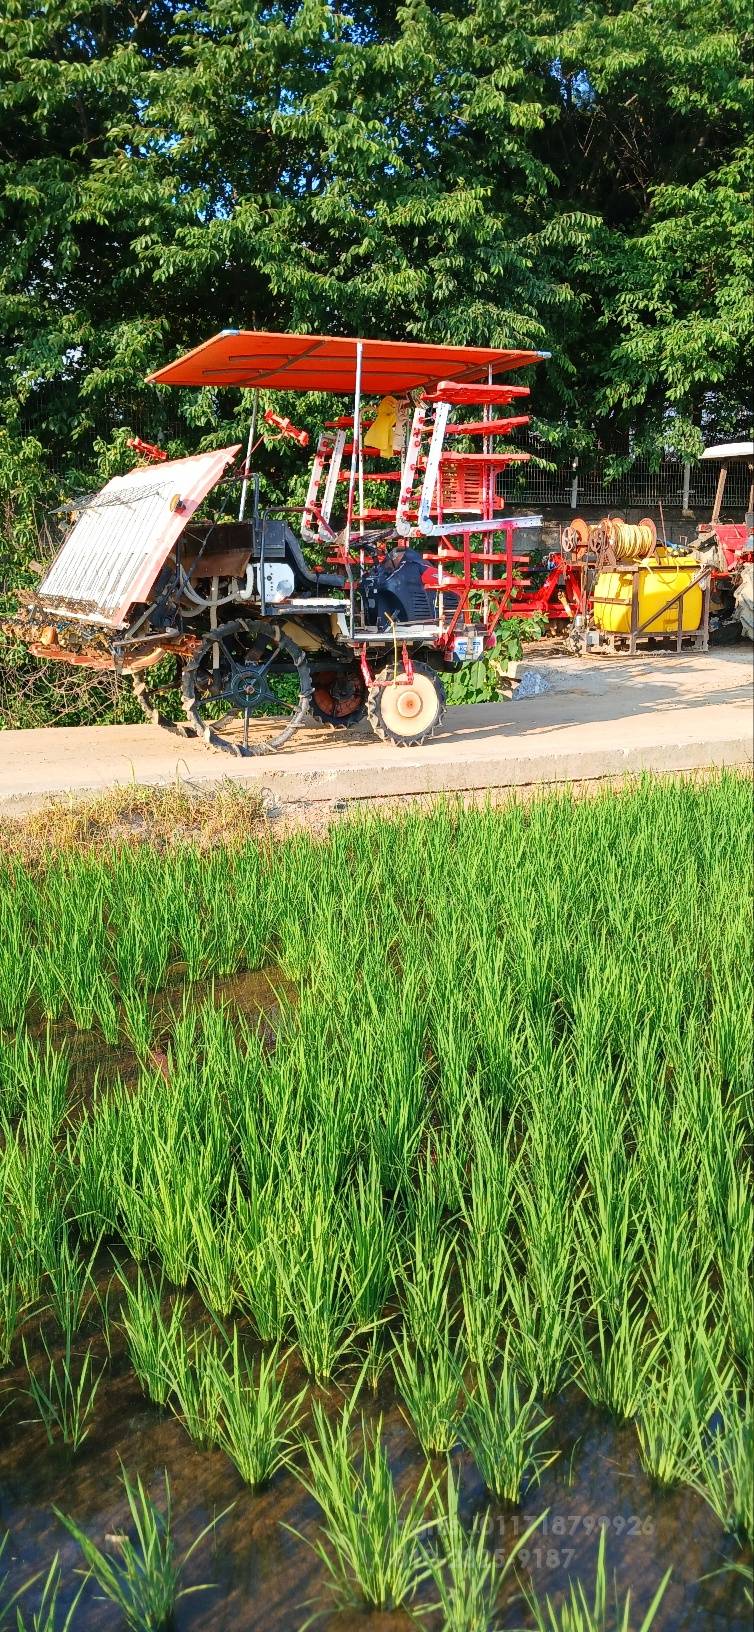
580 483
575 482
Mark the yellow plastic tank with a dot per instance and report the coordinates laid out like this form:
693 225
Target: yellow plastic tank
660 579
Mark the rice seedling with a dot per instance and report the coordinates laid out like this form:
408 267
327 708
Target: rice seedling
615 1368
423 1287
465 1570
602 1612
486 1208
9 1601
71 970
501 1428
31 1208
214 1253
369 1542
193 1393
70 1288
49 1615
255 1423
688 1389
429 1383
262 1287
64 1397
137 1021
178 1178
720 1462
105 1009
543 1298
484 1296
609 1243
152 1339
369 1237
36 1082
11 1299
16 971
319 1306
143 1580
377 1356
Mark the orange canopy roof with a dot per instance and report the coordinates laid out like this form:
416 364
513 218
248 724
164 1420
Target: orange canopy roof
316 362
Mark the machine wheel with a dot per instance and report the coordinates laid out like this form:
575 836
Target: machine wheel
403 712
247 689
745 600
339 697
148 706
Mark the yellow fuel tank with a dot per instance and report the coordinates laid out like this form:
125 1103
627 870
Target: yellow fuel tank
660 578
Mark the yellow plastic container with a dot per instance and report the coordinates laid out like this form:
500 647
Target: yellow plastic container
660 579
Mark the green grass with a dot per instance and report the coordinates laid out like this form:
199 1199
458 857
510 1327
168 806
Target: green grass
502 1106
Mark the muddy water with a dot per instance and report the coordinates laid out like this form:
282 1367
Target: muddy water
254 994
264 1577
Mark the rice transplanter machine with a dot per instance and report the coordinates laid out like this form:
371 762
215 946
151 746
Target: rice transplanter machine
398 566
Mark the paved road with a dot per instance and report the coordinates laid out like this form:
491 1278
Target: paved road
601 717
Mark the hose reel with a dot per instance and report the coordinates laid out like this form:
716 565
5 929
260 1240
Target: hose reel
625 540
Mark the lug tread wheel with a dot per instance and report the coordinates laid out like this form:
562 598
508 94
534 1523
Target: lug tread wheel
178 728
340 722
382 728
250 631
343 724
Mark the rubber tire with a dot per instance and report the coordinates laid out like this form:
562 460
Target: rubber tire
345 721
211 738
374 709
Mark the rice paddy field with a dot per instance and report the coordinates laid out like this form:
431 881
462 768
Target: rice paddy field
376 1226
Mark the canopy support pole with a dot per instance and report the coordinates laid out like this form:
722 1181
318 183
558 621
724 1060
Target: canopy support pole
355 464
249 447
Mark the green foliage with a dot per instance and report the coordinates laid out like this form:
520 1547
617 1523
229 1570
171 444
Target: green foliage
568 177
484 681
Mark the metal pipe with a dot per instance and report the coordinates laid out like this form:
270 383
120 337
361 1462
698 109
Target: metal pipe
249 446
355 457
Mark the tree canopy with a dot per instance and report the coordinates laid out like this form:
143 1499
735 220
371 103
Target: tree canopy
573 174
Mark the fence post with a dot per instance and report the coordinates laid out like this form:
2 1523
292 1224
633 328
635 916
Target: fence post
575 482
686 487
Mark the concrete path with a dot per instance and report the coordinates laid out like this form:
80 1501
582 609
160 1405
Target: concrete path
601 717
